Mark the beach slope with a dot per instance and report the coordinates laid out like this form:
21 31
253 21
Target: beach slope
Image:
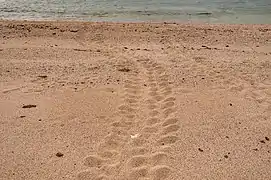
134 101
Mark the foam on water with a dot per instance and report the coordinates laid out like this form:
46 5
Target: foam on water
213 11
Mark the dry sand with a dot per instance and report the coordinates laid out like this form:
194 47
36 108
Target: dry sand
134 101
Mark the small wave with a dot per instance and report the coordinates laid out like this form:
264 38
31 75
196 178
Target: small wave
204 13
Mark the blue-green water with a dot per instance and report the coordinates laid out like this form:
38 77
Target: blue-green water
211 11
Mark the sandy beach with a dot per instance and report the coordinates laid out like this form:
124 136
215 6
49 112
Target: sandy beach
134 101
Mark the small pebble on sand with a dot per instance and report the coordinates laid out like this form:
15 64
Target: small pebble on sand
59 154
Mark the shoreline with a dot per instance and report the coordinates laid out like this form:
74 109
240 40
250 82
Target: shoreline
132 22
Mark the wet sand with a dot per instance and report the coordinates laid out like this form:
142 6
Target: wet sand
134 101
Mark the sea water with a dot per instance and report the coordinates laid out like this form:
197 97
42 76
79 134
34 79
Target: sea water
208 11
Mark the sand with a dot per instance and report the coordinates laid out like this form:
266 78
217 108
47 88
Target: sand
134 101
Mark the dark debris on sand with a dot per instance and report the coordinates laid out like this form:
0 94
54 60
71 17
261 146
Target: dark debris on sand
43 76
59 154
124 70
29 106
